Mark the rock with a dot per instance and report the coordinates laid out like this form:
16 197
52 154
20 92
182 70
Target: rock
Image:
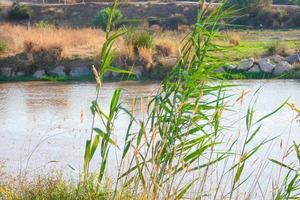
254 68
230 67
6 71
295 58
265 65
282 67
58 71
138 71
275 59
245 64
39 73
80 71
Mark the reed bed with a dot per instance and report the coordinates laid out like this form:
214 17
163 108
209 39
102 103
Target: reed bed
178 148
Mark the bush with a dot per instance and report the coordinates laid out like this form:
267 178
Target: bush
102 17
2 46
277 48
139 39
166 47
234 38
43 54
19 12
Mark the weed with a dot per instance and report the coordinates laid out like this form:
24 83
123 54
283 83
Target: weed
172 148
2 46
145 57
44 25
139 39
166 47
234 38
102 17
277 48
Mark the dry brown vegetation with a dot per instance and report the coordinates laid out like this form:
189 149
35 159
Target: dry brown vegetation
78 42
50 45
233 38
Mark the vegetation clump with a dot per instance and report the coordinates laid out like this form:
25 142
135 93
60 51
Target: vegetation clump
277 48
102 18
2 46
139 39
19 12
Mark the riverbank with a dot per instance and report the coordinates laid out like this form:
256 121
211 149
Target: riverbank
45 52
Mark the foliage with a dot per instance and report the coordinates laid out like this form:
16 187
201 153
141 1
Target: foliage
53 187
139 39
277 48
102 17
296 2
2 46
19 12
44 25
291 185
177 145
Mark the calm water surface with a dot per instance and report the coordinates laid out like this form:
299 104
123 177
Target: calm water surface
41 125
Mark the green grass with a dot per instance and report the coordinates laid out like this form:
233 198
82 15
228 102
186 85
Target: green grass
252 48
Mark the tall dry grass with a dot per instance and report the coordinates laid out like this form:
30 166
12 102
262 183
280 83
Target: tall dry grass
74 42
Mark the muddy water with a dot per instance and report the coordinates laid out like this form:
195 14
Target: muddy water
44 125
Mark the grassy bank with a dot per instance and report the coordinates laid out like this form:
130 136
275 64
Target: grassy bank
154 50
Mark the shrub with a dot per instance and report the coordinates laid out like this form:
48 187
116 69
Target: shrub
139 39
125 57
43 54
19 12
145 57
233 38
2 46
278 49
296 2
166 47
102 17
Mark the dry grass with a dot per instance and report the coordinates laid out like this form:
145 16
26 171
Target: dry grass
145 57
124 56
234 38
76 42
166 47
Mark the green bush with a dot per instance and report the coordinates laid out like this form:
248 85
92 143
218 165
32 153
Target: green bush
139 39
19 12
102 17
2 46
277 48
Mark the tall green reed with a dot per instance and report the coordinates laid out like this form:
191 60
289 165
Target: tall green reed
178 145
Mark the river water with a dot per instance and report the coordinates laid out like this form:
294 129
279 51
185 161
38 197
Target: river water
44 125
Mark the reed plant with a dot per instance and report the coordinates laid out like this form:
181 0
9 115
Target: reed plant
179 147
